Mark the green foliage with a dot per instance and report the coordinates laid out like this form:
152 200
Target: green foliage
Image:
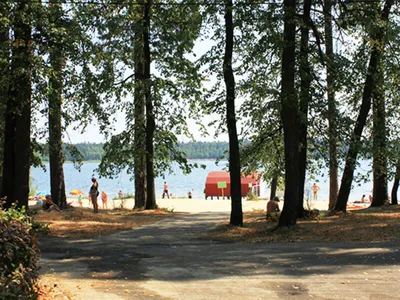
204 150
40 228
166 209
126 196
251 196
79 152
108 80
120 202
83 151
19 255
32 188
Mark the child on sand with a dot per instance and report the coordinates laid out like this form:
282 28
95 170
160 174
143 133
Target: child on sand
104 199
80 200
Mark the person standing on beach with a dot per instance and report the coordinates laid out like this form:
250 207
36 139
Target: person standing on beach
165 191
94 193
315 188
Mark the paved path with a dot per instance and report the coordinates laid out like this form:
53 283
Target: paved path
166 260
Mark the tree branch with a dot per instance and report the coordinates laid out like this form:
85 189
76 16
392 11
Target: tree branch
124 80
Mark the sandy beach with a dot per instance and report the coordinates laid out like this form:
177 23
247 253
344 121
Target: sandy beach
195 205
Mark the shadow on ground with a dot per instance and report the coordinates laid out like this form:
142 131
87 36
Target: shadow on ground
169 252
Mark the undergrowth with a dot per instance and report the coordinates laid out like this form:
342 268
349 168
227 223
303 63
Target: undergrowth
19 254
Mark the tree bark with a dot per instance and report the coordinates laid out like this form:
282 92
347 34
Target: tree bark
8 157
234 157
4 81
140 120
9 154
150 122
368 91
396 185
57 183
305 83
274 185
289 116
379 157
332 111
18 120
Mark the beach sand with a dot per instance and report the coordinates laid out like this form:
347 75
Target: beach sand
196 205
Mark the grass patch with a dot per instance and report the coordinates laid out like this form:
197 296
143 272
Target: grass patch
83 223
366 225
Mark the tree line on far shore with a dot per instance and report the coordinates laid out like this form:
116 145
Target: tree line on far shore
94 151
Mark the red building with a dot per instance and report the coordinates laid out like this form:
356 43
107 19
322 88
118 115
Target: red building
216 179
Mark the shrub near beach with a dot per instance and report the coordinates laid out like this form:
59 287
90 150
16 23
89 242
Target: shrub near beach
19 255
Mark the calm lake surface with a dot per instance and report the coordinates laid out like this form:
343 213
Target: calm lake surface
179 184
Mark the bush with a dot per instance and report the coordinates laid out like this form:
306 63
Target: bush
251 196
126 196
19 255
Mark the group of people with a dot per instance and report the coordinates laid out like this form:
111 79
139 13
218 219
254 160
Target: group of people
94 193
166 192
273 210
49 206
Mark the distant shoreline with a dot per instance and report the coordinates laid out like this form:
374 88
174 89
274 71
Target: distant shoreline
98 161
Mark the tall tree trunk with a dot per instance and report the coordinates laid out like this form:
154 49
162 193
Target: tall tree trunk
150 122
305 83
4 79
234 157
368 91
332 112
396 185
57 183
289 116
274 185
8 141
140 120
379 157
18 120
9 154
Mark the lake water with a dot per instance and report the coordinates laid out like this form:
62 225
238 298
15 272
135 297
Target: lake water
179 184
